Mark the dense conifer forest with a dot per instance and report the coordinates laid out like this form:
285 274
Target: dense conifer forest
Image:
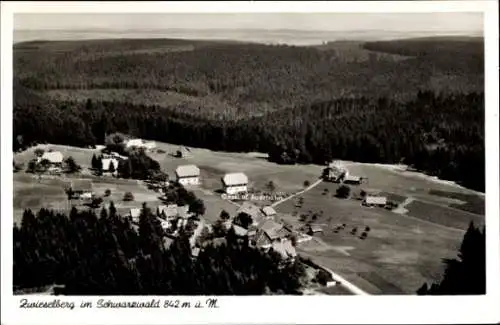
423 106
105 255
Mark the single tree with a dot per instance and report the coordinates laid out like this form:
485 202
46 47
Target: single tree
307 183
343 192
270 186
94 162
128 196
32 166
111 168
39 152
107 192
197 207
224 215
71 165
243 219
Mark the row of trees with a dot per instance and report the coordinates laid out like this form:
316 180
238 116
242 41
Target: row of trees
104 255
442 135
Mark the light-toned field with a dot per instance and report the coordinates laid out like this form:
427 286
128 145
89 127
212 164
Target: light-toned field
48 192
401 252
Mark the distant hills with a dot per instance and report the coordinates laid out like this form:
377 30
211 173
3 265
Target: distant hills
277 36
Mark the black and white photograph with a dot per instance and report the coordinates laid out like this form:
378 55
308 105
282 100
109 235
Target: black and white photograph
229 154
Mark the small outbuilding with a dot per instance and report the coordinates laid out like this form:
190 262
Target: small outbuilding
371 200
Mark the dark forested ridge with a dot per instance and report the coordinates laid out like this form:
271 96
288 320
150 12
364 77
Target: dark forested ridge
299 104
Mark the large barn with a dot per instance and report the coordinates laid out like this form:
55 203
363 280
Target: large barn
188 175
234 183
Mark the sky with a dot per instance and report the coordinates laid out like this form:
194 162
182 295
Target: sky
439 22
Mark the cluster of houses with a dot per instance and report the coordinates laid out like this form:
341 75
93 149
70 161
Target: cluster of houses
167 215
266 232
232 183
139 143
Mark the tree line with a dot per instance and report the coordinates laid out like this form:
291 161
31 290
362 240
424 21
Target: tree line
466 274
104 255
440 134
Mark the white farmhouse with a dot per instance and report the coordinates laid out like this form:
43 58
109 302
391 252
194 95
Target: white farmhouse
188 175
106 164
235 183
135 214
54 157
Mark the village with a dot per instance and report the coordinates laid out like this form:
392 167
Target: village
271 219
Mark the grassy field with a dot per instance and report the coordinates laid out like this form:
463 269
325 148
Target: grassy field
399 254
48 192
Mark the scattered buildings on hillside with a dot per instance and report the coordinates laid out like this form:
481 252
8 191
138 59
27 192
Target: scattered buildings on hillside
372 200
139 143
188 175
234 183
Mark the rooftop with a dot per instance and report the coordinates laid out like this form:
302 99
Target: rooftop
250 209
269 211
54 157
284 248
233 179
187 171
81 185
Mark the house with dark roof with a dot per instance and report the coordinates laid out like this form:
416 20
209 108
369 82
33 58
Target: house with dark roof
252 210
269 211
82 189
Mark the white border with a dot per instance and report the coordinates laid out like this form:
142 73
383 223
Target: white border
239 310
